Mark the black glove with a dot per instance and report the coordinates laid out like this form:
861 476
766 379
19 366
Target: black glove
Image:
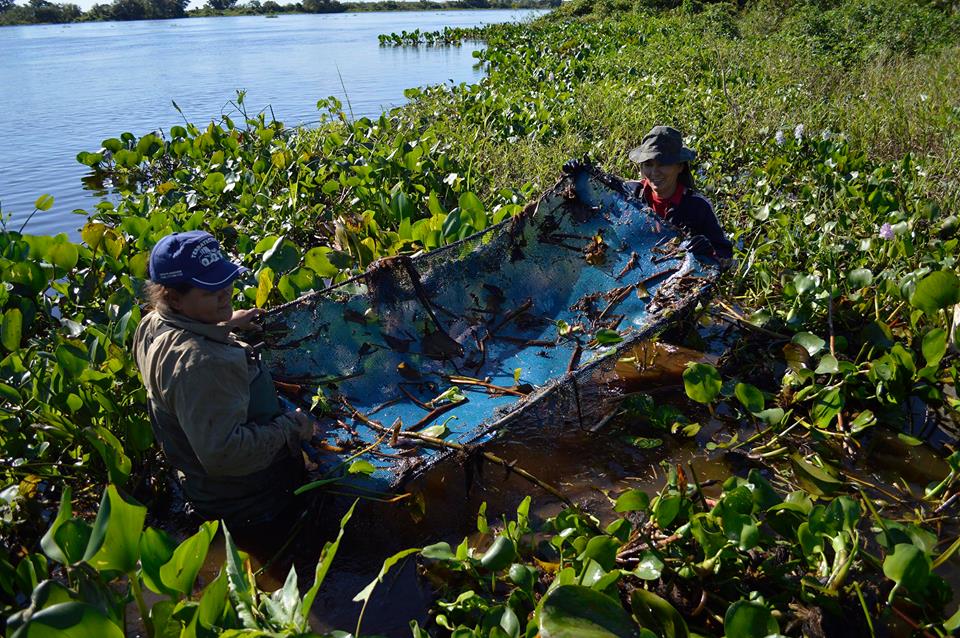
699 246
577 164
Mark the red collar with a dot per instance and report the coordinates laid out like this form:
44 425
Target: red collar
661 206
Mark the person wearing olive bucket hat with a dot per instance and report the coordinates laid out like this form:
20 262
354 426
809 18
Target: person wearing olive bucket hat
212 403
667 187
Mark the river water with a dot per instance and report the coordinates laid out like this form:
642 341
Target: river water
65 88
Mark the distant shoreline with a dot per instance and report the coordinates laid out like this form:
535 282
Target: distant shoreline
139 10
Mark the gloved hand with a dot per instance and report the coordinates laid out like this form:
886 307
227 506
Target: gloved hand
577 164
243 320
303 423
699 246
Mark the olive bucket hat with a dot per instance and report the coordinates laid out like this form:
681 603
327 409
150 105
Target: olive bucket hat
664 144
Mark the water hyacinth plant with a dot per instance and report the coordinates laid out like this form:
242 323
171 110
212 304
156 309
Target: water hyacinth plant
747 561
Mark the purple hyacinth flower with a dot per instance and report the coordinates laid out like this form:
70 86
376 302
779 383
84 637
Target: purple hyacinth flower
886 231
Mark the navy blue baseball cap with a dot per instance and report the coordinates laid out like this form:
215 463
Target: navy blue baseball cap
193 258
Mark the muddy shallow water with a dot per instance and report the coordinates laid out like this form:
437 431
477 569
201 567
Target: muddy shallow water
583 465
590 468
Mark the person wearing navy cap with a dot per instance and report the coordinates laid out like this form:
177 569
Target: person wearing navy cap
212 403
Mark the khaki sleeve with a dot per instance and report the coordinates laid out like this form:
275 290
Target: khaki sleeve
210 399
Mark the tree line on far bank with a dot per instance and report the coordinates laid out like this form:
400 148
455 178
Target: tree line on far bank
46 12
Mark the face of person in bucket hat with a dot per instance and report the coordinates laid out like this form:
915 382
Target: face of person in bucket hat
198 277
662 158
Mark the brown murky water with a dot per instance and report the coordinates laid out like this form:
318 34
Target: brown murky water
586 466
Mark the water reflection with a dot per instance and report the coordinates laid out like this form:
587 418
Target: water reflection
78 84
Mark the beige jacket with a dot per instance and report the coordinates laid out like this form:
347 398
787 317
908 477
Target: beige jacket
230 451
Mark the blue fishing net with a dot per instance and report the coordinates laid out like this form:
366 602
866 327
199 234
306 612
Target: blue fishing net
503 332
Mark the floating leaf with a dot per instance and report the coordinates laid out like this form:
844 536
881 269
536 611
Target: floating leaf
501 554
607 337
863 421
828 365
860 278
44 202
936 291
656 614
115 540
686 429
702 382
317 261
282 256
911 441
436 431
11 329
361 467
819 481
438 551
809 342
632 501
934 346
908 566
650 566
750 396
180 572
771 416
63 254
749 619
645 443
575 611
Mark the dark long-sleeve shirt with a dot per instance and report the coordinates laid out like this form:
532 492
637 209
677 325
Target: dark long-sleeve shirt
693 214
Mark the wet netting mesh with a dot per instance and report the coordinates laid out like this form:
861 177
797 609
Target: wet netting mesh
502 333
